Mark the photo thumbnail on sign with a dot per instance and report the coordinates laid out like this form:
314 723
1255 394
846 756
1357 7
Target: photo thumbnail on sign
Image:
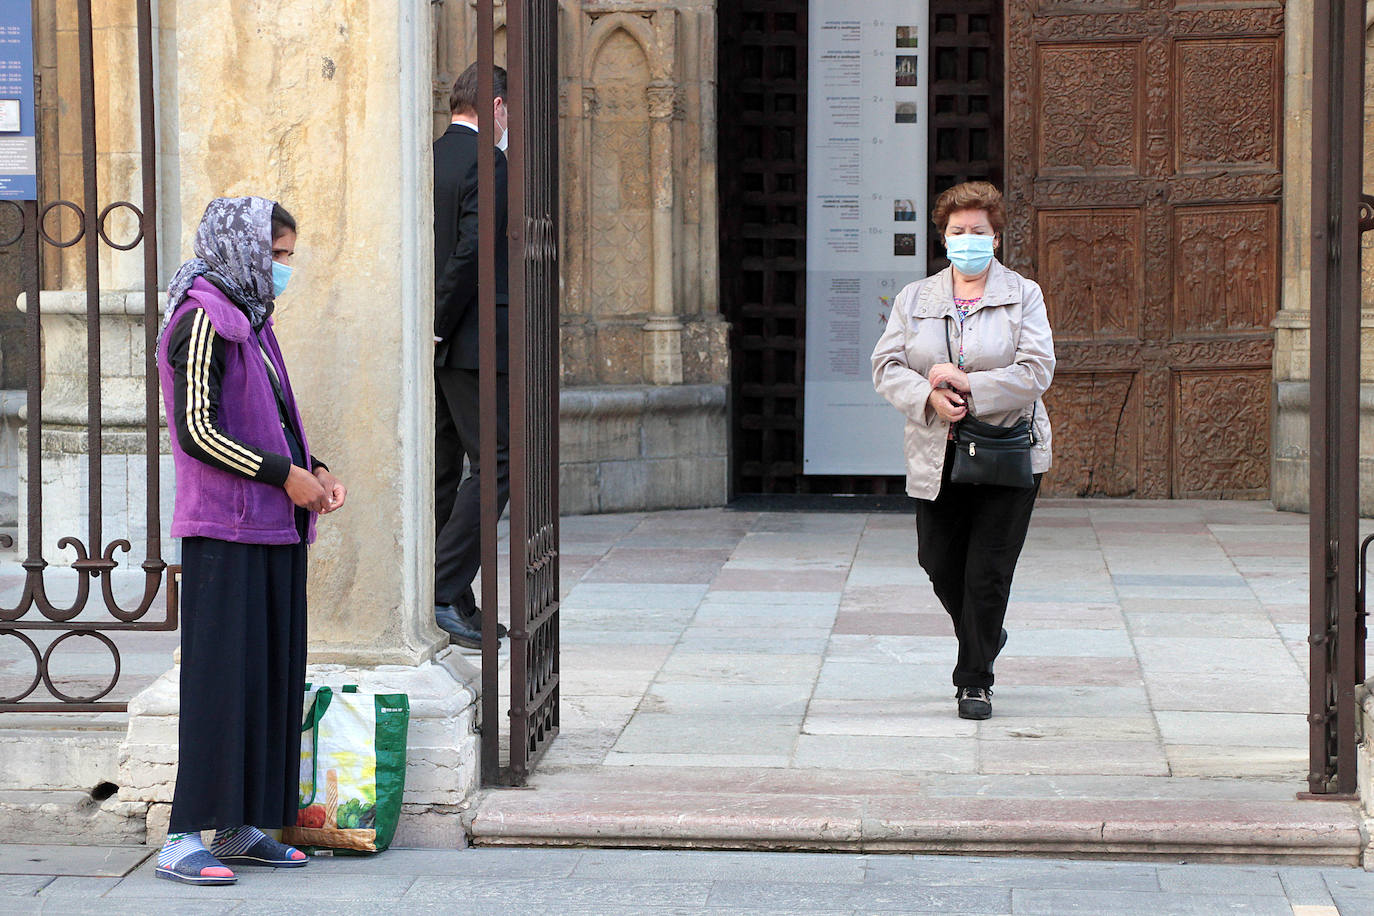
907 68
908 36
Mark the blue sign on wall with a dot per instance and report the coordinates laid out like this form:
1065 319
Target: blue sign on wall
18 146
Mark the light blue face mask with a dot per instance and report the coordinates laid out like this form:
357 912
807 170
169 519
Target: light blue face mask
281 275
970 253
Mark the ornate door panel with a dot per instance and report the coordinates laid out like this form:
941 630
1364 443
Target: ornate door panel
1144 155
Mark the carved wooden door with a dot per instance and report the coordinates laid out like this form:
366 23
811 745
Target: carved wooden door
1144 158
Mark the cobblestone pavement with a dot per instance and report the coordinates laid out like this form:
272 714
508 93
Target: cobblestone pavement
607 882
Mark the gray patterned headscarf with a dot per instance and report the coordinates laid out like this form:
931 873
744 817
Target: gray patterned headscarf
233 250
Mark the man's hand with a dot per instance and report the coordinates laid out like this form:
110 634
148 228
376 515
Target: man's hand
335 492
949 375
948 404
305 490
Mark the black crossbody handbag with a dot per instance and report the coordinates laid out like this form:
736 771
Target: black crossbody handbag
988 454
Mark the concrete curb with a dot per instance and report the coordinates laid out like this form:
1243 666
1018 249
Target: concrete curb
1302 833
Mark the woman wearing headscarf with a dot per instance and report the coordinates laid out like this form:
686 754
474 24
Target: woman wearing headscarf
971 341
247 493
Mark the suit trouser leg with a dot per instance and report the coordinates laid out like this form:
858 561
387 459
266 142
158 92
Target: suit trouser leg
458 552
448 459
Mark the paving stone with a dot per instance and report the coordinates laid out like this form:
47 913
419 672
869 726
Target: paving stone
1057 902
1211 760
554 896
1003 727
89 861
739 668
67 887
860 720
23 885
797 598
1256 625
634 596
738 579
1221 880
1029 700
869 752
1280 730
1057 671
1137 758
728 699
514 864
869 898
656 733
701 865
1070 643
1349 884
968 871
1305 886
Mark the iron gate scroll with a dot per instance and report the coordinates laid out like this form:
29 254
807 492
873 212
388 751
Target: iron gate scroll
35 613
532 62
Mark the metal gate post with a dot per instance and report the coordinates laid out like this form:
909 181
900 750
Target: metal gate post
1337 145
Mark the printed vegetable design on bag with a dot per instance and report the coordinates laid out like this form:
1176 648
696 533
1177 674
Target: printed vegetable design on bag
343 737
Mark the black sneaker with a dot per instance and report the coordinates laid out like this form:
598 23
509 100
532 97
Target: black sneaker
974 702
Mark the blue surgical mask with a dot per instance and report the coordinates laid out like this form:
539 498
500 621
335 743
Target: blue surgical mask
281 275
970 253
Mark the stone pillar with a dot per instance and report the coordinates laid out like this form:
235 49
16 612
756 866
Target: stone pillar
663 332
1292 325
330 115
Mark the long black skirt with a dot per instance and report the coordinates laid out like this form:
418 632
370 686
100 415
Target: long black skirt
243 644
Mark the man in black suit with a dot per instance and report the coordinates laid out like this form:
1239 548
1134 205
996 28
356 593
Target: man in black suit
457 501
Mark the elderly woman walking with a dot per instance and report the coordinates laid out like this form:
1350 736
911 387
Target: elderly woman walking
973 341
247 493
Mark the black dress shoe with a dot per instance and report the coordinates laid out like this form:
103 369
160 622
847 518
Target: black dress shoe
473 620
459 633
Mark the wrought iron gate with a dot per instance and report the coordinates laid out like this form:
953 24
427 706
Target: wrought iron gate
34 613
532 101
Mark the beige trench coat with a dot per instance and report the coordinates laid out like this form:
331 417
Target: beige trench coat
1008 355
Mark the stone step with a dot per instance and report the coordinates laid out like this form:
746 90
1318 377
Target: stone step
39 816
1271 832
68 751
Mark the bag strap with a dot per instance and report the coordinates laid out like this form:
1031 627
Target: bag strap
323 697
949 350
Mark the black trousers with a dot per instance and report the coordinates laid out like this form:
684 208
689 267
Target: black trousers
968 541
243 643
457 500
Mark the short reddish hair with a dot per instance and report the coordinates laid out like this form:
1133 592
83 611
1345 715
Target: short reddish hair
971 195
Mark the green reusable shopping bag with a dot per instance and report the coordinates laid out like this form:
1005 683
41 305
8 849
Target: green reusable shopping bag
353 769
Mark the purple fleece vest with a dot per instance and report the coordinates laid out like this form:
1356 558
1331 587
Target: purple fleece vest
214 503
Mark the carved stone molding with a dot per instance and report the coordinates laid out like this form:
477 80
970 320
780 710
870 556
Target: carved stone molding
662 101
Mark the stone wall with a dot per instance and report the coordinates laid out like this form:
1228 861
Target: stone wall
1292 337
640 306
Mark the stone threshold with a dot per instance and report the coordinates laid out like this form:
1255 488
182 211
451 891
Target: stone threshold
1268 832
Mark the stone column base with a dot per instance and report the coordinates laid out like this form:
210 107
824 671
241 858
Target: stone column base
1291 447
442 763
636 448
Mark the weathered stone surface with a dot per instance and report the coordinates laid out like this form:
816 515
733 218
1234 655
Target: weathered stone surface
636 448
